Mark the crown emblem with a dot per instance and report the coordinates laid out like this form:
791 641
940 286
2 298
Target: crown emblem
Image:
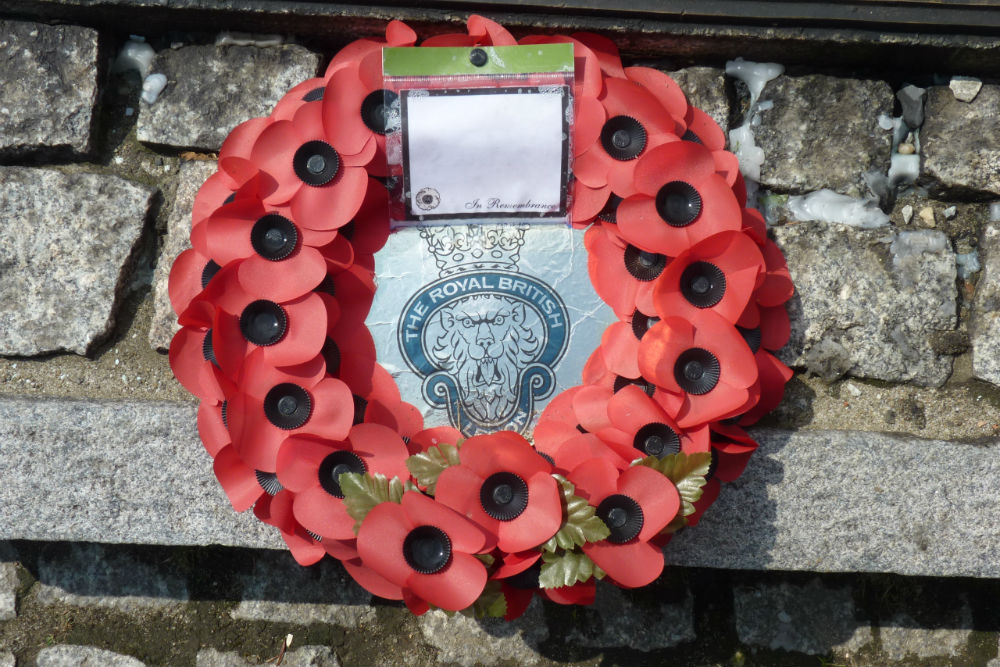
460 248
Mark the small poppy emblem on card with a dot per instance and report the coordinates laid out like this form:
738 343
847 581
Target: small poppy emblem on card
427 199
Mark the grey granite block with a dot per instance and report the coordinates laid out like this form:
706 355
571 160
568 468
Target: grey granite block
810 619
612 621
191 177
852 501
823 501
869 302
960 143
66 242
212 89
492 641
94 575
823 132
705 88
114 472
905 638
281 591
8 591
70 655
49 88
984 326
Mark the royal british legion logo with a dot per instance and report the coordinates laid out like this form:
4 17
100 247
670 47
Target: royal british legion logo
484 337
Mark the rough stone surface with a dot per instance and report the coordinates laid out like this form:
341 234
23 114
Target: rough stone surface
705 88
68 655
49 90
8 591
306 656
7 659
911 100
957 161
809 619
984 327
904 637
281 591
965 88
67 240
852 501
823 132
89 575
212 89
611 621
126 473
467 641
868 301
191 177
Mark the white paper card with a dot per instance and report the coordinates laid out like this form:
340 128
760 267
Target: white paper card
486 153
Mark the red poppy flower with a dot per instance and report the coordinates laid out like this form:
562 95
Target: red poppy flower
776 286
276 403
718 273
397 33
504 486
681 200
239 143
371 581
605 50
369 230
192 360
189 275
309 90
309 467
322 184
561 437
426 549
623 275
285 332
620 349
637 123
277 511
635 505
703 365
641 427
281 258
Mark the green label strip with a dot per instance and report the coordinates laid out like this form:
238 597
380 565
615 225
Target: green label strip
455 61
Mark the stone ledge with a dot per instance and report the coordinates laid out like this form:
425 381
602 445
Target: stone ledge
822 501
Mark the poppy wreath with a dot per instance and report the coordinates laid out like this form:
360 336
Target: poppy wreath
307 429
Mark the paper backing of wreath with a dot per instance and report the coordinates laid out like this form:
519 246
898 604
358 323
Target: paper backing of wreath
307 429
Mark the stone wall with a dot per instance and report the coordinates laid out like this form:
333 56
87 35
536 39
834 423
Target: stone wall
864 531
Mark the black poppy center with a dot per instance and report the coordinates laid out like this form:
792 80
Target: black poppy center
313 95
623 517
287 406
696 371
644 266
273 237
316 163
623 138
336 464
657 439
678 203
427 549
703 284
331 354
610 211
641 323
269 482
207 273
622 382
526 579
207 351
504 496
691 136
263 322
375 110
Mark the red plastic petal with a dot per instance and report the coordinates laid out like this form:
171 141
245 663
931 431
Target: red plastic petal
305 335
540 519
331 206
595 480
631 565
621 349
398 33
664 88
380 542
465 536
212 430
298 461
656 495
273 152
240 141
381 448
371 581
323 514
333 410
605 50
237 479
590 405
454 588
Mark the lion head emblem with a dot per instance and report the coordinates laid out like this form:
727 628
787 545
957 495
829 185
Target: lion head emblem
485 341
